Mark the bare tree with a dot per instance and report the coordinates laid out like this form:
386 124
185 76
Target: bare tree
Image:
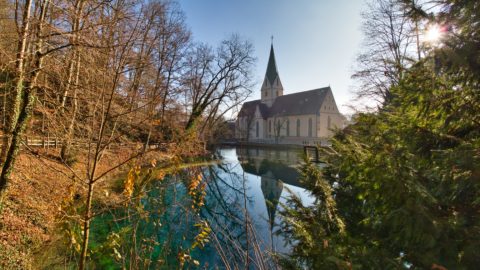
219 79
73 77
390 44
171 44
121 28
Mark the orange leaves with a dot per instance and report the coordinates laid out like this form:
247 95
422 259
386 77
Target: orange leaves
153 163
129 183
202 237
196 189
194 182
138 178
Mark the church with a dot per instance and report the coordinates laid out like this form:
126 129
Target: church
302 118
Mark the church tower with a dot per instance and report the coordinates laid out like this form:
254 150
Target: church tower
272 86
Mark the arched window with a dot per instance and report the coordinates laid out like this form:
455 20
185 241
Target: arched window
328 122
298 127
288 127
269 126
256 129
309 127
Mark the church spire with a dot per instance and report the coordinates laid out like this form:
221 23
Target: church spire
272 72
271 86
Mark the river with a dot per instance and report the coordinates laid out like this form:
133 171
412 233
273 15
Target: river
238 198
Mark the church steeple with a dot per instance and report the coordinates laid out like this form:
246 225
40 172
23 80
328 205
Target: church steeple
272 72
272 86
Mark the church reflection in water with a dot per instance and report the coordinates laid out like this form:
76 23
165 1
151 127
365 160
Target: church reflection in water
246 190
274 167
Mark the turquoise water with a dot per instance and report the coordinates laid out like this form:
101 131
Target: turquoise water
243 194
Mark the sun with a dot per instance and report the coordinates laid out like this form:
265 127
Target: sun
433 34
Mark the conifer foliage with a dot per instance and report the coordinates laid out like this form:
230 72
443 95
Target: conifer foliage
405 179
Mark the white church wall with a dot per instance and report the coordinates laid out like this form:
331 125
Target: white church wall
324 129
329 117
292 120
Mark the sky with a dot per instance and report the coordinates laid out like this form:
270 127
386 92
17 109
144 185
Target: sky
315 41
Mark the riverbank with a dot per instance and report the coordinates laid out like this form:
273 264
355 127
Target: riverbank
39 185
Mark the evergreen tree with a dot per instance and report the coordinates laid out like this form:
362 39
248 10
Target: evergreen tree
405 179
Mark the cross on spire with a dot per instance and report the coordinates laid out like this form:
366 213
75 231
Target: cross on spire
271 39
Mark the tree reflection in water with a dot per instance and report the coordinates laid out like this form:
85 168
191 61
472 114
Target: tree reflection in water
242 194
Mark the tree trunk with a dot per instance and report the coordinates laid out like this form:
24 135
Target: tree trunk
147 142
11 155
71 67
86 225
28 91
65 151
16 93
74 67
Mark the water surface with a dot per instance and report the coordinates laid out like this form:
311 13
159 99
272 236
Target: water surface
241 197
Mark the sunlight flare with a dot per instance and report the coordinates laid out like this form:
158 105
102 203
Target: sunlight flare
434 34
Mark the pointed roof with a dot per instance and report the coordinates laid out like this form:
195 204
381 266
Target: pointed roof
306 102
272 72
248 109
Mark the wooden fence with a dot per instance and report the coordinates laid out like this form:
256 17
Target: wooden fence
55 142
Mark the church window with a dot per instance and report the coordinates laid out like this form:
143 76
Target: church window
270 126
298 127
309 127
266 93
256 129
277 94
328 122
288 127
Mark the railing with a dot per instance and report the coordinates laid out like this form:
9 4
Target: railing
291 141
55 142
309 149
43 142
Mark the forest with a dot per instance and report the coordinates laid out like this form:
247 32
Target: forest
117 94
96 75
